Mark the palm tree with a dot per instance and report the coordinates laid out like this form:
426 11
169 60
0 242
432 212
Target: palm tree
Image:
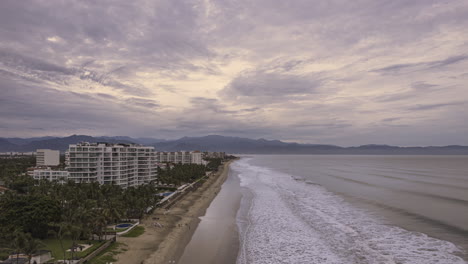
18 243
61 233
31 246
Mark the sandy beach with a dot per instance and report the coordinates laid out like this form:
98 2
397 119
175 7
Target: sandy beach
216 239
167 243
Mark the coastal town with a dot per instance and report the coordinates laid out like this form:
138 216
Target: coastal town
96 201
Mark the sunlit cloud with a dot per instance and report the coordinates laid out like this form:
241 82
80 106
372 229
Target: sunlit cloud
341 72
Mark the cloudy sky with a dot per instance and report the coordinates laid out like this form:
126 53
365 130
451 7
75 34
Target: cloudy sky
318 71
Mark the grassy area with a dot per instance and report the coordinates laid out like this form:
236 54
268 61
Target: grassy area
4 255
108 255
57 253
135 232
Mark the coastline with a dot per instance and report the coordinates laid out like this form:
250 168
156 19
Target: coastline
161 245
216 239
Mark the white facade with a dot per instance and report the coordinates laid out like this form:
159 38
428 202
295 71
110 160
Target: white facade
47 157
49 174
183 157
121 164
197 157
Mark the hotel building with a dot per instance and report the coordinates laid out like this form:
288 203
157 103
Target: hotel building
183 157
47 157
121 164
49 174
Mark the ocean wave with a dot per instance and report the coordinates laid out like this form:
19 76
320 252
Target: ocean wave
288 221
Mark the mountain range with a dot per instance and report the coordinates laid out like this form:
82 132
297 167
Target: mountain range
227 144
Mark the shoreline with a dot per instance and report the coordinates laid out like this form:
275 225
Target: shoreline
167 243
216 239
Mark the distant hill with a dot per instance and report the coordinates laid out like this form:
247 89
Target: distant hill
24 141
236 145
229 145
263 146
6 145
55 143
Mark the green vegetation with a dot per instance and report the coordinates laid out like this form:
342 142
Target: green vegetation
69 212
11 167
55 245
135 232
48 215
213 164
108 255
181 173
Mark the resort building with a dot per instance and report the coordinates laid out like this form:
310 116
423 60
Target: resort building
196 157
47 157
47 173
214 155
121 164
13 155
183 157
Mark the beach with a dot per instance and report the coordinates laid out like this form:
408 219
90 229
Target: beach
167 243
216 239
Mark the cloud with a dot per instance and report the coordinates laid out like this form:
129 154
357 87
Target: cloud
424 107
146 103
418 66
342 72
264 87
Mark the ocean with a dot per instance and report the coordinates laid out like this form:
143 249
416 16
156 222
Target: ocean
352 209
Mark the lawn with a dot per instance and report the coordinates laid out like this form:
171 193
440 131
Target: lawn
135 232
57 253
108 255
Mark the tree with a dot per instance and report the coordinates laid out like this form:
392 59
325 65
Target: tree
30 213
18 244
61 233
31 246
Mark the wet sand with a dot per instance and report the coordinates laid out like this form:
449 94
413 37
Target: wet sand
166 244
216 239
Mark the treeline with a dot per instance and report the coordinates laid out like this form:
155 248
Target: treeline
70 211
11 167
213 164
34 210
179 174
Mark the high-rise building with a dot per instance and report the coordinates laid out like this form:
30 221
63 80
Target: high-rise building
47 157
121 164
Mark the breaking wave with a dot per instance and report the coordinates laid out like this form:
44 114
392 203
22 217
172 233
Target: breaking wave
286 220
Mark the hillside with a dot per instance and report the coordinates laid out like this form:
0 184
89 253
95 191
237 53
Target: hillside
230 145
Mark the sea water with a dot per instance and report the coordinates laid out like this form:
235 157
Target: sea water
353 209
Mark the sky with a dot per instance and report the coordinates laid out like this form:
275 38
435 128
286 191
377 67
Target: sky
317 71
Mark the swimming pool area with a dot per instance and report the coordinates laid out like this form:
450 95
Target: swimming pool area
125 225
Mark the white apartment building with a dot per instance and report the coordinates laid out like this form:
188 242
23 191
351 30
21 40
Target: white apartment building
49 174
47 157
122 164
197 157
183 157
210 155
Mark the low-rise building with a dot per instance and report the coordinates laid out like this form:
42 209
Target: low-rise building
182 157
47 173
214 155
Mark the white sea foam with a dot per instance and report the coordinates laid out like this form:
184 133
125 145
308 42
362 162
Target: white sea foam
289 221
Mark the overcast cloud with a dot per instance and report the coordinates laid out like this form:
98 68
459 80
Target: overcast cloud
339 72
